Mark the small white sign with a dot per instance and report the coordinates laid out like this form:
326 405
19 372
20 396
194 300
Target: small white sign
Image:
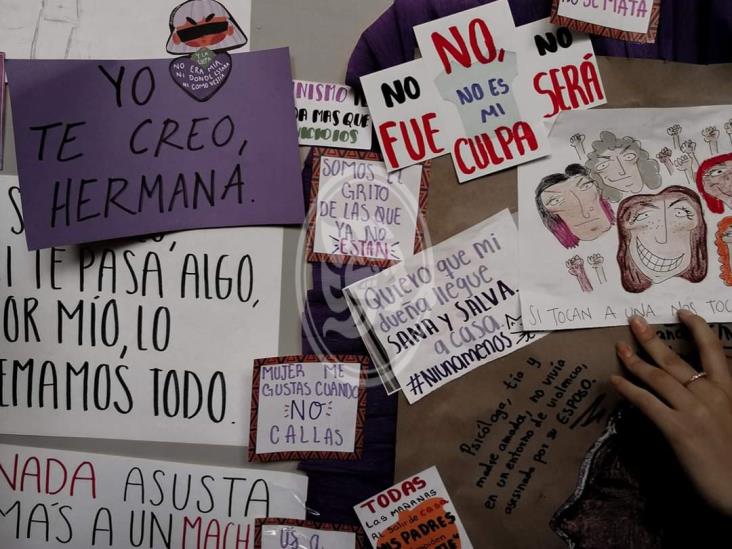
331 115
630 16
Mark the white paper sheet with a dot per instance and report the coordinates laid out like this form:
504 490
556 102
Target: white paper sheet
330 115
101 305
462 97
481 90
630 16
301 536
620 240
560 68
95 29
58 499
416 512
308 407
445 311
361 211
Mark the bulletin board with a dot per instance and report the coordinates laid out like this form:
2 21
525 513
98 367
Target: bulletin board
305 29
458 409
321 34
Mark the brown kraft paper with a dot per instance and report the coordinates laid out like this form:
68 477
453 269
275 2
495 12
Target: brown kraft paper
506 483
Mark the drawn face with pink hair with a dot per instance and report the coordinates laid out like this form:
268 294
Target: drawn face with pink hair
572 207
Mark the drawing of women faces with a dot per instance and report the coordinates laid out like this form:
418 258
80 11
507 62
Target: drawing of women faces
572 207
723 240
205 31
714 181
620 166
661 236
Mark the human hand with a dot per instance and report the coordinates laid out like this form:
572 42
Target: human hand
695 416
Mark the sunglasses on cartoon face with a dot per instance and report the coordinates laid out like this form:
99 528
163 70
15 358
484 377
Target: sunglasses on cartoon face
208 31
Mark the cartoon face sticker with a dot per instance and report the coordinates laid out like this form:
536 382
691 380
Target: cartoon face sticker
205 31
621 167
571 206
714 181
661 236
203 24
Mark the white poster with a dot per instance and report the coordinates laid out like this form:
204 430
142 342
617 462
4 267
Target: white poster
331 115
413 123
149 339
416 512
630 215
58 499
630 16
363 214
481 90
466 90
559 66
107 29
445 311
277 533
308 407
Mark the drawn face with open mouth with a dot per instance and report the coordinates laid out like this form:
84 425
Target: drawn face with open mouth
662 236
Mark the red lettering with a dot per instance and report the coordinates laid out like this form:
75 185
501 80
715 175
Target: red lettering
571 77
413 133
212 533
481 44
419 483
590 78
77 477
369 504
239 539
12 483
484 149
464 168
505 138
387 142
458 52
62 468
490 54
415 153
556 106
196 524
523 135
580 86
36 474
431 132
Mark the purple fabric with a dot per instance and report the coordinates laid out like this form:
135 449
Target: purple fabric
689 32
693 32
334 487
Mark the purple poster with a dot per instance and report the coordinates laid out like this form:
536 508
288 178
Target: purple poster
108 149
2 109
